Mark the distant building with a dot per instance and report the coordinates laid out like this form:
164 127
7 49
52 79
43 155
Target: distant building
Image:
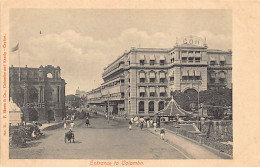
39 92
72 101
81 93
141 81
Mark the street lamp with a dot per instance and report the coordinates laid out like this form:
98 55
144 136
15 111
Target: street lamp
108 106
199 82
128 100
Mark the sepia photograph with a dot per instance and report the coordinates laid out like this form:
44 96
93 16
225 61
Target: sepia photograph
127 84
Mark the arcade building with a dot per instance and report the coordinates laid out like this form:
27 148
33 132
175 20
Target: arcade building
39 92
141 81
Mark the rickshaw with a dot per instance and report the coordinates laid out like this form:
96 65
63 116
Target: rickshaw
69 136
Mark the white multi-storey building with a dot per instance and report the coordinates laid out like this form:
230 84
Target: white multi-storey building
141 81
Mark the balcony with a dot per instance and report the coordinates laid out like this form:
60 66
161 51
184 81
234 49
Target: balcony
191 81
112 97
113 89
113 70
219 67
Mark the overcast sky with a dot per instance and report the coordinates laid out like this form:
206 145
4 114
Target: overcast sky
83 41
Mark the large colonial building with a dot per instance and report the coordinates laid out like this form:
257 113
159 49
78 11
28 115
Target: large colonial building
40 92
141 80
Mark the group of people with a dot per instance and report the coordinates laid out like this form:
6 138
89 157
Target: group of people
149 123
72 124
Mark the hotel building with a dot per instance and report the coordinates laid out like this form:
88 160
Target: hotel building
141 81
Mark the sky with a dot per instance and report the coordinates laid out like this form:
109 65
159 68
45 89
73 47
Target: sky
84 41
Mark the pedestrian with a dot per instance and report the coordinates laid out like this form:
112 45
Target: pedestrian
72 125
148 124
87 122
141 125
65 125
154 126
130 125
162 132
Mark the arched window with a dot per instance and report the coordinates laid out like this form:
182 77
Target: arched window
222 77
161 106
141 107
151 106
49 75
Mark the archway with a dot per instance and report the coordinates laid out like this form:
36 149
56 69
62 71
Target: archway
49 75
50 115
33 115
32 94
151 106
160 105
141 106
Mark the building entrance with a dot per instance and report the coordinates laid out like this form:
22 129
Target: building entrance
33 115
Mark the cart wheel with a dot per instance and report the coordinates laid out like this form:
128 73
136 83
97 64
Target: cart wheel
73 140
65 139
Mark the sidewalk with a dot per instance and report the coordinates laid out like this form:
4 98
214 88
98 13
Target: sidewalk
49 125
191 149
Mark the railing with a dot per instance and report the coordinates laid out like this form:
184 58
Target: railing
121 66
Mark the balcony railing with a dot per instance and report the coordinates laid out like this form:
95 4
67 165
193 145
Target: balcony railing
110 71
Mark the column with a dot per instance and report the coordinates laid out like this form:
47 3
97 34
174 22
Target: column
43 100
39 94
59 94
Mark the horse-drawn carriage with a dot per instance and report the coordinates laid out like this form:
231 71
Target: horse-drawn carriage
69 136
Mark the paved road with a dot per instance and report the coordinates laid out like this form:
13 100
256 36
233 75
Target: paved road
99 141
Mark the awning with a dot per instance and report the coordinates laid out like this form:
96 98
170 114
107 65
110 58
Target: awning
152 89
162 75
222 58
141 57
152 75
173 109
162 58
222 75
184 54
212 58
197 73
152 57
142 89
185 73
142 75
197 54
162 89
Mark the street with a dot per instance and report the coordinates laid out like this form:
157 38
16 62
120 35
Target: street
102 140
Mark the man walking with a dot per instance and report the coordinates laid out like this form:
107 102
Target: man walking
141 125
162 132
130 125
87 121
72 125
154 126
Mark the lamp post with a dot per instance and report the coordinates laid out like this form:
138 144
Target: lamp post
108 95
128 101
199 82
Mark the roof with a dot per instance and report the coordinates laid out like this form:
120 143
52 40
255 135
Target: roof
172 109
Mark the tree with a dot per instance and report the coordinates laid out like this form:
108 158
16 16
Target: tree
220 97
